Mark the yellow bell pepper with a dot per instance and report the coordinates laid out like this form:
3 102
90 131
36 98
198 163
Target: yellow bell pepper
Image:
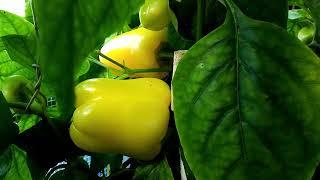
121 116
135 49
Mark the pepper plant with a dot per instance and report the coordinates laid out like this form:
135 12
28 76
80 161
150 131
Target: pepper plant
160 89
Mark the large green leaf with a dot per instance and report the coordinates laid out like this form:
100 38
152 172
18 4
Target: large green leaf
159 170
21 48
275 11
18 166
9 67
314 6
12 27
5 162
12 24
68 32
247 100
8 130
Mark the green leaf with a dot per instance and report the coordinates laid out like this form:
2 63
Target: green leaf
68 32
187 170
159 170
12 24
9 67
314 7
28 11
296 3
297 19
27 121
214 15
246 101
109 162
185 13
5 162
297 14
176 41
19 168
84 68
8 130
275 11
21 49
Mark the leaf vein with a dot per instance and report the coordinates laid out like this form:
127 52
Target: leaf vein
212 75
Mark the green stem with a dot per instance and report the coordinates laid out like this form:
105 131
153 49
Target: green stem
112 61
103 65
32 99
127 70
35 22
162 69
23 106
200 4
123 76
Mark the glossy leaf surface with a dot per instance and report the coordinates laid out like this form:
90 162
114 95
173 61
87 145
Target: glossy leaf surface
246 101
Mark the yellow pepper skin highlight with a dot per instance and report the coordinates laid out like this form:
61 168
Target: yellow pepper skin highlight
121 116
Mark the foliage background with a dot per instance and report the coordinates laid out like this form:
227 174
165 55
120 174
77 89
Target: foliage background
250 99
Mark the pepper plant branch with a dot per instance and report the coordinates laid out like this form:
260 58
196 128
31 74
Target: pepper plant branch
97 62
162 69
32 99
113 61
123 76
37 86
128 70
22 106
200 4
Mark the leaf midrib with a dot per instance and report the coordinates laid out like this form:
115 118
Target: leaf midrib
238 61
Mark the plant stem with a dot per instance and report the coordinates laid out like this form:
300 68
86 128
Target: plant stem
200 4
23 106
127 71
35 22
32 99
103 65
123 76
162 69
113 61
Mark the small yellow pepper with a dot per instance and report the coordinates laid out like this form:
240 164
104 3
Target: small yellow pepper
121 116
135 49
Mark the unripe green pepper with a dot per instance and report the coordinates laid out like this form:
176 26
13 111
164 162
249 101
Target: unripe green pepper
155 14
121 116
18 89
306 34
136 49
